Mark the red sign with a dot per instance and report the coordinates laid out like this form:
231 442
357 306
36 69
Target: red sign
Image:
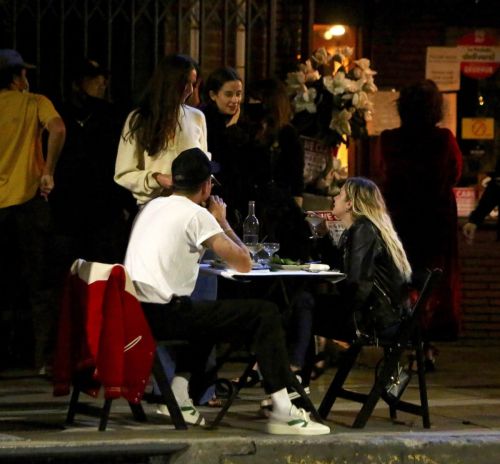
480 56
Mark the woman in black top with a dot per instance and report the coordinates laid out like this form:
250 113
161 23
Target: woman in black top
223 92
372 297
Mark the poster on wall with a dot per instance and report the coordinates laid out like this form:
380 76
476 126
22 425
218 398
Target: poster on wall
316 159
443 67
385 112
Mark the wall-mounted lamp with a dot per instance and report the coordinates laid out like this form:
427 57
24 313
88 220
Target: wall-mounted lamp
335 31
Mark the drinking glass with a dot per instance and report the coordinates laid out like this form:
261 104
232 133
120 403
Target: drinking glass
314 223
270 248
253 248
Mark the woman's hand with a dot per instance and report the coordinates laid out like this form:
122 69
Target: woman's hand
318 226
234 118
165 180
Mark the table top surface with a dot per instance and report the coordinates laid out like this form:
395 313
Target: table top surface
262 273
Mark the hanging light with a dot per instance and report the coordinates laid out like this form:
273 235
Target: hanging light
336 30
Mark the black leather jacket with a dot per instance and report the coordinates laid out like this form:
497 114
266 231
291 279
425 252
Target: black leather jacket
375 289
489 199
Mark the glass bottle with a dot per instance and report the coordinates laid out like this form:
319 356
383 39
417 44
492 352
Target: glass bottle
251 226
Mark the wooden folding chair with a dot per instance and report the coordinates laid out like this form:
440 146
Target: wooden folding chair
104 341
408 337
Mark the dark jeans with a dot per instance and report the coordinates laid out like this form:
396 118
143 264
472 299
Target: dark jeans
26 270
254 322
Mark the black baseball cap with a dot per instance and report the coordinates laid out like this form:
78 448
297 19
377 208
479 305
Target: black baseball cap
88 68
191 168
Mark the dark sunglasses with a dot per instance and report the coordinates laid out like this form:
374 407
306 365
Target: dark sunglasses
214 181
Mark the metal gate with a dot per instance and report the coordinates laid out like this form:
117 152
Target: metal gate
128 37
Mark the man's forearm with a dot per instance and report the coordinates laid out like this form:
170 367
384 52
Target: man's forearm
232 234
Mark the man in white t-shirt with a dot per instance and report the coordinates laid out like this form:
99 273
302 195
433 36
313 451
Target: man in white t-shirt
168 238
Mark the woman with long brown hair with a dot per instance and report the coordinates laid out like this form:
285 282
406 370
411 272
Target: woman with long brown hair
161 127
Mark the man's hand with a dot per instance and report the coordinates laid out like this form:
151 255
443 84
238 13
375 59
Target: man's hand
217 207
469 231
46 185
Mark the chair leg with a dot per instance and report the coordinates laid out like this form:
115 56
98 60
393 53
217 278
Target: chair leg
346 363
73 403
168 396
103 423
422 386
235 390
307 401
390 364
138 412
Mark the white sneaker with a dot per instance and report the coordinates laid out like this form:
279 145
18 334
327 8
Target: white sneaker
189 412
267 403
297 422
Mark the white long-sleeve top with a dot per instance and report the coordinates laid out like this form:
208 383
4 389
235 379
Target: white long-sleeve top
134 167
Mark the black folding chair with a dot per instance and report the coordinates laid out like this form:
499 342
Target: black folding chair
237 386
408 337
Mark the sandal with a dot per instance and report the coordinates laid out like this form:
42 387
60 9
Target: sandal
318 371
214 402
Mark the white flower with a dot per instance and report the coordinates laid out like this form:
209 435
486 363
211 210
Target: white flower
340 122
321 56
364 65
304 101
339 84
295 80
369 86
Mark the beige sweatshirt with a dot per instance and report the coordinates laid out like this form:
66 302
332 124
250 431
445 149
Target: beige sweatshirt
134 168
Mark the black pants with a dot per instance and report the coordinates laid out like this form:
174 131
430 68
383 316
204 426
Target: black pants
254 322
26 270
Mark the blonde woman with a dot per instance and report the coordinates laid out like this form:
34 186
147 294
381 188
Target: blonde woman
372 298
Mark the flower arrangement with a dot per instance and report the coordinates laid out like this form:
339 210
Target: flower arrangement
330 96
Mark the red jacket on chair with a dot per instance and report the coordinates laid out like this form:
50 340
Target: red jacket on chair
103 338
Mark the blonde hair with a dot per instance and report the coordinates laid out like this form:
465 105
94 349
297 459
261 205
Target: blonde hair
367 201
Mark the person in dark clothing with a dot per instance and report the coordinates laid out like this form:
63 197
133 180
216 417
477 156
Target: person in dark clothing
489 200
375 290
90 209
373 298
422 163
223 92
273 162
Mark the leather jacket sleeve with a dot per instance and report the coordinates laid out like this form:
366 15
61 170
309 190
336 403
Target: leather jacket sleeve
489 199
360 247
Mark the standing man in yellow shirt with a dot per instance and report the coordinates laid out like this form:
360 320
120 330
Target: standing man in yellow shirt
26 180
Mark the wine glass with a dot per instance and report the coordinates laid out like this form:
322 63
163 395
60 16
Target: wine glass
253 247
270 248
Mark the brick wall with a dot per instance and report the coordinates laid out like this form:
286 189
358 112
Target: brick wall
481 288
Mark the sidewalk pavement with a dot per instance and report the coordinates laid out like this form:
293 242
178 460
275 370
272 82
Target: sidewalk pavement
464 398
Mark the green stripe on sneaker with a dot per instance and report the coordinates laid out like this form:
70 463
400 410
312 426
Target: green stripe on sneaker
296 422
189 409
